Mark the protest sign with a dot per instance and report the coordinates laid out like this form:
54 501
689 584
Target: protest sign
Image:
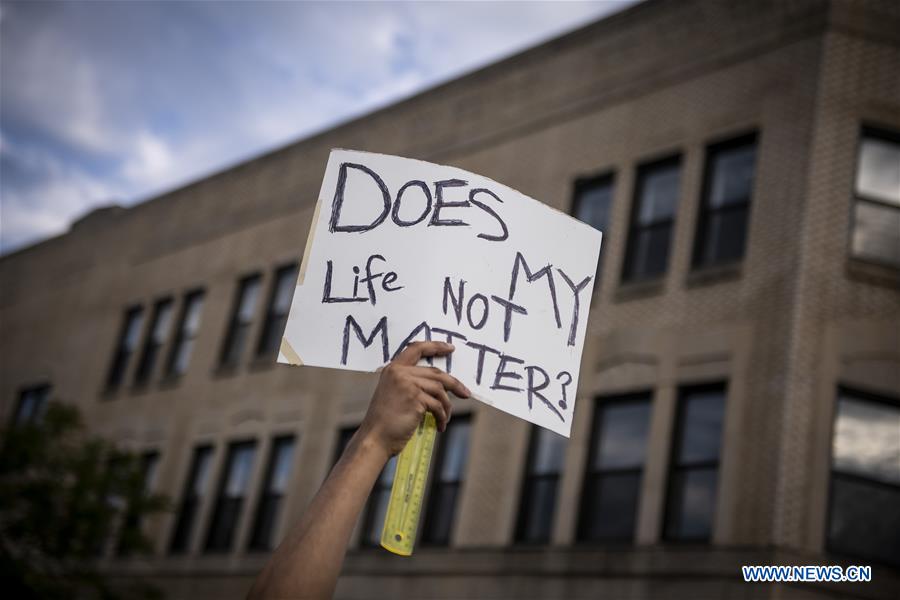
401 250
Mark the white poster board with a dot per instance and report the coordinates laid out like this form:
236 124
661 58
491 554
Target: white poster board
401 250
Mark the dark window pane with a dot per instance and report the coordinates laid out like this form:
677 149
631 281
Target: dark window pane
878 171
194 489
126 345
274 486
538 509
156 338
441 510
622 440
659 194
876 232
701 422
865 519
692 504
446 481
241 319
277 312
32 404
187 331
652 218
724 236
593 203
538 506
232 490
610 506
378 502
732 175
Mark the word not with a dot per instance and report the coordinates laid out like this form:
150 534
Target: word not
414 191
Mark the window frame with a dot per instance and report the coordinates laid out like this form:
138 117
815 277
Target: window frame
260 352
46 388
426 535
254 543
705 212
582 185
626 276
184 546
672 467
181 335
884 134
139 311
234 323
142 375
527 487
219 497
597 420
875 398
369 518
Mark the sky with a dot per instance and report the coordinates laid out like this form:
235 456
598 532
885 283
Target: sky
117 102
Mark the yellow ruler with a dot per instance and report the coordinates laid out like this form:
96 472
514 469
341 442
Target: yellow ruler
408 491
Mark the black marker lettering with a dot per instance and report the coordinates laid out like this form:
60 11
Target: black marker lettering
544 272
501 372
481 350
338 203
576 289
568 379
535 390
327 298
395 213
366 341
510 307
492 238
455 300
484 309
388 280
439 203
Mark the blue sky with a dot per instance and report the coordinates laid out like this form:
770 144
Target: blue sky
118 101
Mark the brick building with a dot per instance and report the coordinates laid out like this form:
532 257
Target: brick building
739 400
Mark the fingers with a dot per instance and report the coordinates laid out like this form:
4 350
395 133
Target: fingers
415 351
436 390
435 408
448 381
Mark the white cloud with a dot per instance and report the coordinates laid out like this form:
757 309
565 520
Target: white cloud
102 100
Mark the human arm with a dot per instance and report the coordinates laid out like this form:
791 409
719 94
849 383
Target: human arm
307 563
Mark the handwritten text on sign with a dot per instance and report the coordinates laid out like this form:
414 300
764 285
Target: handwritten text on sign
403 250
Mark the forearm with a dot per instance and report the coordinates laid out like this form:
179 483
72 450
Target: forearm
308 562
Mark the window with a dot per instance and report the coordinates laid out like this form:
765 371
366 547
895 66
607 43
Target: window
725 206
593 205
241 319
652 220
180 355
546 453
376 509
232 491
693 479
149 462
446 482
864 514
277 312
194 490
278 473
32 404
876 209
128 340
156 338
615 469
